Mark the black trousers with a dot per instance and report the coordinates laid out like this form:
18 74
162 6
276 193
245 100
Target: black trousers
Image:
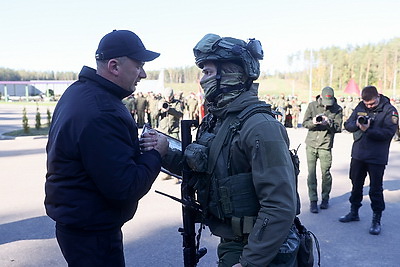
83 248
358 173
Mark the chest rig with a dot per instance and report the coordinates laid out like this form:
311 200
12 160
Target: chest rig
227 198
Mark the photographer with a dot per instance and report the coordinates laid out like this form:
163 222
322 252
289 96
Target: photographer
323 118
170 113
373 123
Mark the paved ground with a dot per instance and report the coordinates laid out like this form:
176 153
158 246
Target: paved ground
151 238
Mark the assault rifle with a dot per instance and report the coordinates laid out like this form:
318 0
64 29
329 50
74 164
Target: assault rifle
190 208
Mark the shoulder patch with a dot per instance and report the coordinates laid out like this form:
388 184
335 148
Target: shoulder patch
395 117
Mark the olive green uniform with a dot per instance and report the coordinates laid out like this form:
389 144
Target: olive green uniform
250 195
319 143
169 120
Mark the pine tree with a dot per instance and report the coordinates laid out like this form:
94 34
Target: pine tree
25 124
37 124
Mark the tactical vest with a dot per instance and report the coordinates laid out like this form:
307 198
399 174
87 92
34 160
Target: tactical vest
229 198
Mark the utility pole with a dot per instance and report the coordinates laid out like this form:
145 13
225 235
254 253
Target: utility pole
310 83
395 76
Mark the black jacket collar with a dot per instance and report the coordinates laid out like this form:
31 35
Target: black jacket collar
90 74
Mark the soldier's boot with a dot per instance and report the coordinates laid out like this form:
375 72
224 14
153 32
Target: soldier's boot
324 204
351 216
313 207
376 223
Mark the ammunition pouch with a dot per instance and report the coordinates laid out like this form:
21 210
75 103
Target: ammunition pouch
235 229
196 157
196 154
237 196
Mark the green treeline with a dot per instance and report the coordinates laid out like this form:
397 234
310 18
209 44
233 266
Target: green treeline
371 64
177 75
367 65
7 74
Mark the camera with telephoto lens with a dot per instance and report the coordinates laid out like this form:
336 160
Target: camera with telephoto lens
165 105
319 118
363 119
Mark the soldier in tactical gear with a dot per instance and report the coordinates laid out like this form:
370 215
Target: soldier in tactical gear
247 187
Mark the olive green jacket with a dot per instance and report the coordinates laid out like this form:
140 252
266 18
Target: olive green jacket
321 136
259 148
169 120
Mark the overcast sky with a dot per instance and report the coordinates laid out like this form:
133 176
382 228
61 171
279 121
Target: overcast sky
63 35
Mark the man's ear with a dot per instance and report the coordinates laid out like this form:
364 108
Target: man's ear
113 66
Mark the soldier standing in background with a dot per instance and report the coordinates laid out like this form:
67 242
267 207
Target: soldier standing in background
192 106
280 107
141 108
349 106
152 109
288 113
296 109
129 103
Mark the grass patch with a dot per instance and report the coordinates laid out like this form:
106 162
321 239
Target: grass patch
32 132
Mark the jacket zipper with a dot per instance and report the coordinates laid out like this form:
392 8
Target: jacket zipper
262 229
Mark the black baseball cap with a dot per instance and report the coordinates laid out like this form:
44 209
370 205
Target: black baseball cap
120 43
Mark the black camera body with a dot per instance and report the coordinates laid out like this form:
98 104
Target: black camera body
363 119
319 118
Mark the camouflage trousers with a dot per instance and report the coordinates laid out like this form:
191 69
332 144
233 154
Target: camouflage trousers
325 160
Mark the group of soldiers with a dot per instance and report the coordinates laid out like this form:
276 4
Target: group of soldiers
147 108
348 104
288 108
162 111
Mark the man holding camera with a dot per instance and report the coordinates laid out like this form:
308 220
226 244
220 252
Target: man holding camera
373 123
323 118
170 113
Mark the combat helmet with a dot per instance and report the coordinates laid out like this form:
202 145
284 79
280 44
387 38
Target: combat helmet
212 47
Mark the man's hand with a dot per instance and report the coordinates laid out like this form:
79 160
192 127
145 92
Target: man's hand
151 139
363 127
237 265
162 144
148 140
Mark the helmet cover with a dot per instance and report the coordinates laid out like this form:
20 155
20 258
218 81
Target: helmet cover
212 47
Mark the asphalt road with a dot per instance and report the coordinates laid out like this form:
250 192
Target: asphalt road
151 238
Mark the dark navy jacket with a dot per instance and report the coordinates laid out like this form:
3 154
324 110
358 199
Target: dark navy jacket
95 172
372 146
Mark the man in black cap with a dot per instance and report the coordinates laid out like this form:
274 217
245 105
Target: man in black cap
96 173
323 118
